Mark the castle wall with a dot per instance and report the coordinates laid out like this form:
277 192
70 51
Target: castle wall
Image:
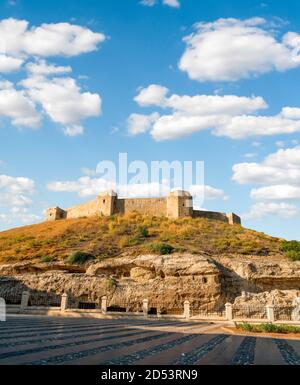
87 209
150 206
210 215
147 206
176 205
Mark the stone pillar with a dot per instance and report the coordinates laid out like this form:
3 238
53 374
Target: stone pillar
228 311
296 310
2 310
158 312
186 312
24 300
270 313
64 302
145 307
104 304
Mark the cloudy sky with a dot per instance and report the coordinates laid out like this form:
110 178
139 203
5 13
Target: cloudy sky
213 81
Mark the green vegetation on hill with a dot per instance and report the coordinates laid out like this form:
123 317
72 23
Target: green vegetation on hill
79 258
110 236
267 328
292 250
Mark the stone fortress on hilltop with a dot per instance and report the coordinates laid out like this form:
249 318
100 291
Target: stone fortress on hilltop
177 204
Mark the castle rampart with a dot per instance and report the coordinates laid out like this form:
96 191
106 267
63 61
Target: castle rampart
177 204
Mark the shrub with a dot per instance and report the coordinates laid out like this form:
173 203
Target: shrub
79 257
143 232
268 328
136 240
161 248
293 255
46 259
292 250
291 246
244 326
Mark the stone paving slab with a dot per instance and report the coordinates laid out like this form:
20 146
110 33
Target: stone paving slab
223 353
63 354
68 341
113 357
267 353
167 357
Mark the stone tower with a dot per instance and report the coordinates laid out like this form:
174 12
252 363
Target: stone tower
179 204
55 213
233 219
108 203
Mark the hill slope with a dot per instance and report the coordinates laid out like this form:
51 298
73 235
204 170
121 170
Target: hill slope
134 234
212 262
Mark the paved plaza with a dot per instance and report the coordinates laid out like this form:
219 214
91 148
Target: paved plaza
79 341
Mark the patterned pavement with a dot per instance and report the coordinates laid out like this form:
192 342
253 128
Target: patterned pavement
80 341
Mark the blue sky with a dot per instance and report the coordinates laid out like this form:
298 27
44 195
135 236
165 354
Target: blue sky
150 80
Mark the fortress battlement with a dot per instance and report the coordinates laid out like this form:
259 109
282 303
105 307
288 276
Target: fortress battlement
177 204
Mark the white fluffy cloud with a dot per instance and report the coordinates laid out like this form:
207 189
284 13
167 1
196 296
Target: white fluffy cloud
228 115
88 186
18 40
279 173
18 185
243 126
203 105
15 191
16 106
260 210
148 3
191 113
138 123
276 192
60 98
9 64
17 215
232 49
41 67
170 3
281 167
63 101
16 201
208 192
153 95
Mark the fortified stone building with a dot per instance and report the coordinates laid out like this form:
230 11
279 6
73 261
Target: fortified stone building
177 204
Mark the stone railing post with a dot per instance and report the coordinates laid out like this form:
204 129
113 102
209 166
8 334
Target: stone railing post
24 300
64 302
2 310
158 312
104 304
145 307
186 312
270 313
228 311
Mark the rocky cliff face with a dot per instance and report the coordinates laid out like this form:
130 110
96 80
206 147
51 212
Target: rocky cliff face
168 280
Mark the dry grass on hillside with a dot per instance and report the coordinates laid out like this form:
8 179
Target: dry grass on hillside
110 236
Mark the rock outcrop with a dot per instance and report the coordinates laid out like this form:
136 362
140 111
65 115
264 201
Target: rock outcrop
167 280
